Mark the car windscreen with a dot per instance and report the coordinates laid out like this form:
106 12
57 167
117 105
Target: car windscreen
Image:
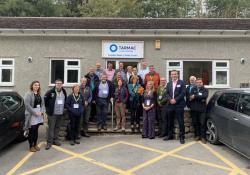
9 103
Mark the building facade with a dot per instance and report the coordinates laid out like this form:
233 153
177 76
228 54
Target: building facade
44 49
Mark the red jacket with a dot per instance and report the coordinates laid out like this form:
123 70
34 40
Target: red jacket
155 77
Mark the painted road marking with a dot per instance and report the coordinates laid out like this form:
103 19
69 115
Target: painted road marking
233 169
21 162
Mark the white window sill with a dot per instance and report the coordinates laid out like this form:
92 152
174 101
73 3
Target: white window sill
64 85
217 87
7 85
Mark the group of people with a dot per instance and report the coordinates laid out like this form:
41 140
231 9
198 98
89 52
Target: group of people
144 93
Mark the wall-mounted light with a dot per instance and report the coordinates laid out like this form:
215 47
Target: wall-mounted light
157 44
29 59
242 61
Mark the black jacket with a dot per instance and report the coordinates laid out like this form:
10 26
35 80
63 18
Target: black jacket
111 90
70 105
199 102
96 79
50 99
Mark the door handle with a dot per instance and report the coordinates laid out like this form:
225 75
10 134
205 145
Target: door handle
236 119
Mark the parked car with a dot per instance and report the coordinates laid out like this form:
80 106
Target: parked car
11 118
228 119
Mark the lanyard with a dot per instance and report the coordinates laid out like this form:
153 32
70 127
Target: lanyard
58 93
76 99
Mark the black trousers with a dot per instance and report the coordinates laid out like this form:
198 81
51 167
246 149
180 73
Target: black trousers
135 113
199 123
33 135
179 114
162 120
74 126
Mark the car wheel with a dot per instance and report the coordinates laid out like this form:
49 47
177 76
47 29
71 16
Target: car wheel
21 137
212 132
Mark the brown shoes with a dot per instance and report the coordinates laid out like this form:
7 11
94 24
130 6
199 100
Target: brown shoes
37 148
32 149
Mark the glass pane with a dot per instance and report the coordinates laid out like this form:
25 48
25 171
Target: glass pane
72 76
244 104
221 77
199 69
9 103
228 100
176 64
73 63
6 75
57 70
7 62
221 64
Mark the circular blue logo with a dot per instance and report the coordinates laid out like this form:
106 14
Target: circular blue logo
113 48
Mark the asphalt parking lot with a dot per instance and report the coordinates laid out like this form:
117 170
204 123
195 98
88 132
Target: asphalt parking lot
124 155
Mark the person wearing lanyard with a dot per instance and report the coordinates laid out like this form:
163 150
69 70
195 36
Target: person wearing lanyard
103 93
34 111
121 97
198 98
135 102
87 95
149 104
75 105
175 94
162 107
189 88
54 102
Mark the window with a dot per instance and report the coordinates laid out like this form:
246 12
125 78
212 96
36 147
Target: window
6 72
66 70
228 100
213 73
244 104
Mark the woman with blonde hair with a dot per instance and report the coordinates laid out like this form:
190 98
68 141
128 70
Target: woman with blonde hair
35 109
149 114
75 105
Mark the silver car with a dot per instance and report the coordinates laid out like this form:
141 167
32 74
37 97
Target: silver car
228 119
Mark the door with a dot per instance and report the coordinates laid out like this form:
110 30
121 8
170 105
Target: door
224 111
240 125
126 63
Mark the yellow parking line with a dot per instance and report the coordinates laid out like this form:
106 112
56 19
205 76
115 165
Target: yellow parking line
152 161
48 166
201 162
226 161
144 147
100 148
103 165
21 162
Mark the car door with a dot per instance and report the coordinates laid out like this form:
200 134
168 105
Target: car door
240 125
9 105
224 111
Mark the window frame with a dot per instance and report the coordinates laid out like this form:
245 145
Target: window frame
236 103
65 69
8 67
214 70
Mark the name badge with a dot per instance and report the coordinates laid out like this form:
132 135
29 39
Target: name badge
148 102
178 85
105 92
160 97
199 93
76 106
59 102
38 106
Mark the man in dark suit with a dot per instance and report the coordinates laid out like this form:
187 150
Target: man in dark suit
175 93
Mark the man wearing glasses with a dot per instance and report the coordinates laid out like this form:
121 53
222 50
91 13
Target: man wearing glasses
54 102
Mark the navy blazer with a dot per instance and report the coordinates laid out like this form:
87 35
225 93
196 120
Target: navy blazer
179 93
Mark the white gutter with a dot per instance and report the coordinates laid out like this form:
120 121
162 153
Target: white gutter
130 33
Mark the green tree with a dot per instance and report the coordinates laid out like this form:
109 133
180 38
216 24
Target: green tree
168 8
112 8
16 8
228 8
